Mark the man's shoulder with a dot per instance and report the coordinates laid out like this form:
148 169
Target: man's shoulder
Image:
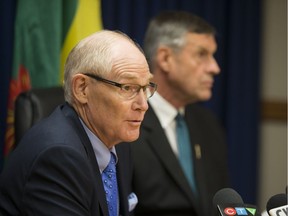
54 130
200 111
199 108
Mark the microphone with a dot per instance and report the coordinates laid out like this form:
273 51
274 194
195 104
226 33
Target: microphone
277 205
228 202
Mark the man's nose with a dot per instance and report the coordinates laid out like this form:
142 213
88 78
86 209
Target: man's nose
141 102
214 67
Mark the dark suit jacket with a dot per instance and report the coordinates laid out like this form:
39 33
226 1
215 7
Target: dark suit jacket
159 181
54 171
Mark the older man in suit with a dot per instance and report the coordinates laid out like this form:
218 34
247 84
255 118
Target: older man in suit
69 163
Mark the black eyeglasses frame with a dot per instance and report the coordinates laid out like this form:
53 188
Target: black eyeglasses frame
119 85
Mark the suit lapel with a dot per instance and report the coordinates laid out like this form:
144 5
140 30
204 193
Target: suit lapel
122 179
194 126
75 122
162 149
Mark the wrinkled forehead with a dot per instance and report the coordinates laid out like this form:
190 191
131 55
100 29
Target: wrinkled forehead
131 67
129 62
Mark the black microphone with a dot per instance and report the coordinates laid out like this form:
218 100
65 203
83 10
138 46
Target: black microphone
228 202
277 205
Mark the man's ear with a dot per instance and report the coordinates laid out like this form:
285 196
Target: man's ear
80 87
164 58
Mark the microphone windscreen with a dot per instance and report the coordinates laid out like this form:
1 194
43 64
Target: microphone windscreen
226 195
276 201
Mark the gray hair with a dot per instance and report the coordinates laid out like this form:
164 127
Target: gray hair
93 54
169 28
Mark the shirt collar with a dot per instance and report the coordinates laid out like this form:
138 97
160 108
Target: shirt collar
165 111
101 151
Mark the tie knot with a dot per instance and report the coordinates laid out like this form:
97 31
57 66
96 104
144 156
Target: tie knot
112 158
111 167
179 118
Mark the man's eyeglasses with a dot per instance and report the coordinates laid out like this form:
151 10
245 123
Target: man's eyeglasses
128 91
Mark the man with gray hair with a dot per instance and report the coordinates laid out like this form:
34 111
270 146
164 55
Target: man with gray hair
70 163
180 156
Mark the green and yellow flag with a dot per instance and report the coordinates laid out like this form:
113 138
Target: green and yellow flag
45 32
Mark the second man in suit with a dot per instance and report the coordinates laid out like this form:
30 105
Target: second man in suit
180 48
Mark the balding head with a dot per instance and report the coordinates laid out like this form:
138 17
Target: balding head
94 54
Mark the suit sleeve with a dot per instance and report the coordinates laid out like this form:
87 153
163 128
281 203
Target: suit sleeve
59 183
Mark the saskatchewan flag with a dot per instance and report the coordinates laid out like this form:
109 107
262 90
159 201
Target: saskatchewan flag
45 32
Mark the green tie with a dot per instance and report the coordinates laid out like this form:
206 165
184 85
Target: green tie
185 153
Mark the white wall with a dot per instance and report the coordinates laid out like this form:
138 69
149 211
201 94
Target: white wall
273 138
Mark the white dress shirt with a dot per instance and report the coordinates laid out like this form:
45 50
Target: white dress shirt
166 114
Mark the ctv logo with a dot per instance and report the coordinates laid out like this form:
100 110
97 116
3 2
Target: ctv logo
280 211
239 211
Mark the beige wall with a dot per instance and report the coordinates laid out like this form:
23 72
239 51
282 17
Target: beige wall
273 137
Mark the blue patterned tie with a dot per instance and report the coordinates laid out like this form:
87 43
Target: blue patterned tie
109 179
185 153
